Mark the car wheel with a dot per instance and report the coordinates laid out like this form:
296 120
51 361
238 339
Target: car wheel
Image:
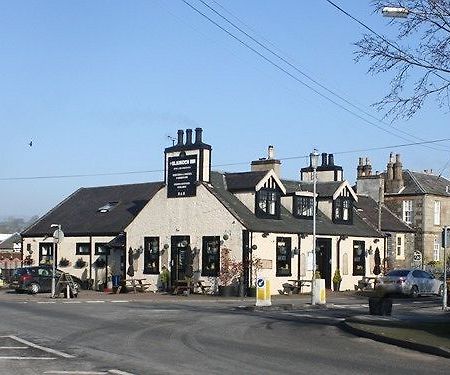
77 286
34 288
414 291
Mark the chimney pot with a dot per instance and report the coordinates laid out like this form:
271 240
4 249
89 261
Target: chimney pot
324 159
270 152
331 159
188 136
180 137
198 135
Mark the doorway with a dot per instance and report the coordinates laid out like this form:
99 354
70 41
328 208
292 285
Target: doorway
180 258
323 256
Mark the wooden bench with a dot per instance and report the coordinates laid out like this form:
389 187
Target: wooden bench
294 286
138 285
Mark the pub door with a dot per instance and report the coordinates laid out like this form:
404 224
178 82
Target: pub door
179 258
323 257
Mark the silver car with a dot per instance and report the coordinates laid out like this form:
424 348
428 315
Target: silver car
409 282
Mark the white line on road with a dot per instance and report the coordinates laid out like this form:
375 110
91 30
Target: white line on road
118 372
45 349
95 301
77 372
72 302
46 302
25 358
120 301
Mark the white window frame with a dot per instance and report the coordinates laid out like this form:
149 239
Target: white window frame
408 212
436 249
437 213
400 246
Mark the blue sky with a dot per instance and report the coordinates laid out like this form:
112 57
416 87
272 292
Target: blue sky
98 86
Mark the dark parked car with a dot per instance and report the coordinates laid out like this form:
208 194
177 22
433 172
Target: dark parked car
37 279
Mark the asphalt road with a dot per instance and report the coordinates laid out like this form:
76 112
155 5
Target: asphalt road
193 337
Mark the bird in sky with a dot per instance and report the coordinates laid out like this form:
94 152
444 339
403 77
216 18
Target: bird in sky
30 144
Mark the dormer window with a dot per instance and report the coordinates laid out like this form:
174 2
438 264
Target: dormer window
107 207
268 203
303 207
342 210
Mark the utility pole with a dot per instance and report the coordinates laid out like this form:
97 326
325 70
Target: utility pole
445 243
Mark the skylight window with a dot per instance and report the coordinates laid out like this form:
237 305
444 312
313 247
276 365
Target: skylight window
107 207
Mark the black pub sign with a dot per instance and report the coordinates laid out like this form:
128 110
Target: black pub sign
182 176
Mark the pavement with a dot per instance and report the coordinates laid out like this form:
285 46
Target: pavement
425 329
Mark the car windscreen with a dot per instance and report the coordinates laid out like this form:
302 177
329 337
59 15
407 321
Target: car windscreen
20 271
398 273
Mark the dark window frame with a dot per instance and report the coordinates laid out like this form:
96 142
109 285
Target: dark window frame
302 201
210 256
78 246
52 251
359 261
339 207
265 195
98 245
283 259
151 255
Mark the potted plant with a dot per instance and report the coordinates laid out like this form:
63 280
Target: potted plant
28 261
80 263
64 262
337 278
230 272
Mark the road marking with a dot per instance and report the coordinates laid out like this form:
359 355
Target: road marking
25 358
118 372
14 347
120 301
46 302
72 302
77 372
95 301
45 349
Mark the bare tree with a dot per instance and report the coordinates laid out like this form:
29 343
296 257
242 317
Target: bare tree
419 58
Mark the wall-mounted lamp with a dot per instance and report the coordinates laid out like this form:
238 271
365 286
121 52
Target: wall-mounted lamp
303 235
376 240
265 234
254 247
343 237
295 251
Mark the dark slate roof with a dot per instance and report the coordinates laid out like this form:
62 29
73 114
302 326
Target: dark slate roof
288 223
424 183
244 180
367 208
78 214
324 189
8 243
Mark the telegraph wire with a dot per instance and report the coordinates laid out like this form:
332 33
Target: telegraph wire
218 165
295 77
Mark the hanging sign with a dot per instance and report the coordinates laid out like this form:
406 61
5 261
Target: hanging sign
182 176
263 292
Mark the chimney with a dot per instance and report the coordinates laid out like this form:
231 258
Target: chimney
389 167
264 164
188 137
180 137
360 168
324 159
367 168
198 135
331 159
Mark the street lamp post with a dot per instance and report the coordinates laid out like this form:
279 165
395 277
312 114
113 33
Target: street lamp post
58 236
314 161
395 12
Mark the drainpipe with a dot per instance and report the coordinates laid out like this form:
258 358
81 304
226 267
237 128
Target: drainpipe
299 240
90 259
